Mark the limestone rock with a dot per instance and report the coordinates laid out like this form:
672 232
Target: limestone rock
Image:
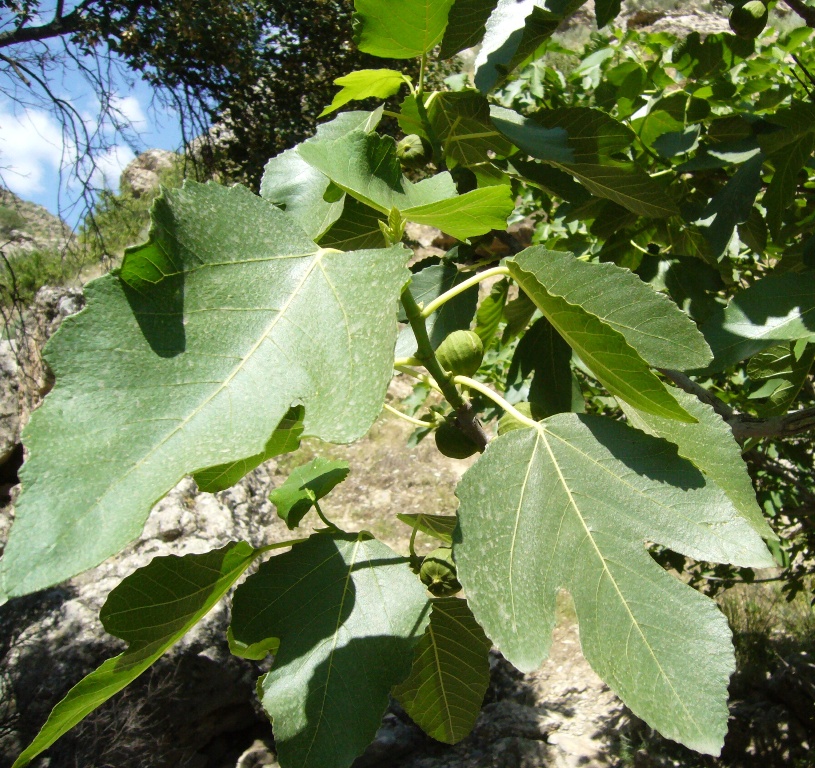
141 176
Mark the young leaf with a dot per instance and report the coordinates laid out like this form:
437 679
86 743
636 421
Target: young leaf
602 348
366 166
285 439
306 485
189 359
651 323
450 675
777 308
578 498
366 84
466 25
151 609
582 142
710 445
403 30
440 527
514 30
348 613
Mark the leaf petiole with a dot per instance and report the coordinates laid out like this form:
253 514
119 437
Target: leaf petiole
468 383
408 419
461 287
331 526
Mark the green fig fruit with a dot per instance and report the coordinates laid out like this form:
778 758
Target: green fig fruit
453 442
461 353
748 20
438 573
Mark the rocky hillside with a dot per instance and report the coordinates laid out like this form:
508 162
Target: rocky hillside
26 226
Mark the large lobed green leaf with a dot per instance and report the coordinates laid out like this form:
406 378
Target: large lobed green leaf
403 30
450 675
189 359
571 504
151 609
604 332
348 612
466 24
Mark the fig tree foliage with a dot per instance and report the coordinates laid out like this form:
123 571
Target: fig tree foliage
646 335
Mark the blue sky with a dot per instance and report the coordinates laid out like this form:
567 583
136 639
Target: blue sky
33 152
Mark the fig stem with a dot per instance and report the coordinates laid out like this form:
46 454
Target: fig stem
408 419
467 382
434 305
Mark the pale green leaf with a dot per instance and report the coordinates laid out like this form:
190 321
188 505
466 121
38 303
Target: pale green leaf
189 359
348 612
514 30
440 527
461 122
466 25
403 30
570 505
366 166
776 308
651 323
285 439
301 190
450 675
710 445
151 609
306 485
366 84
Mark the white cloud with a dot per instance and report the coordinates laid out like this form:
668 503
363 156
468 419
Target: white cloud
32 149
110 165
131 110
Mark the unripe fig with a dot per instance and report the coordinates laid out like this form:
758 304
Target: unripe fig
461 353
453 442
508 422
438 573
412 150
749 20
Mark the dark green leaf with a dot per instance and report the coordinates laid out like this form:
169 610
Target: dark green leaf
285 439
777 308
151 609
466 25
306 485
455 315
785 368
189 359
491 312
781 192
356 229
545 354
440 527
450 675
577 498
606 11
348 613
